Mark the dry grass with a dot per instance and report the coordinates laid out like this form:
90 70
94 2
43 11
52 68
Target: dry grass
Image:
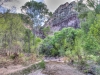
57 68
8 65
21 60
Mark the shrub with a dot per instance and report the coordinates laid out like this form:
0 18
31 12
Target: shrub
42 64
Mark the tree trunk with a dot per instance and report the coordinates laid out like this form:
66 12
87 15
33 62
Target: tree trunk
29 41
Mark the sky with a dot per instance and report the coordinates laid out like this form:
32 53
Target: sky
51 4
54 4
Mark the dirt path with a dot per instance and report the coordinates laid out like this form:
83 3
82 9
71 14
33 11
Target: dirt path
55 68
11 69
52 68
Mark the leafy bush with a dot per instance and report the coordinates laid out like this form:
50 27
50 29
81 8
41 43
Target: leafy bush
42 64
98 60
14 56
58 44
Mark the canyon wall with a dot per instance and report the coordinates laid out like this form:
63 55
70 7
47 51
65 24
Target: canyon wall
64 16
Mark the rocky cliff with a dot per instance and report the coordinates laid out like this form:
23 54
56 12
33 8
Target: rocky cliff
64 16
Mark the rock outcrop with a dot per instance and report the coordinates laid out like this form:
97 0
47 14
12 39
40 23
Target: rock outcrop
63 17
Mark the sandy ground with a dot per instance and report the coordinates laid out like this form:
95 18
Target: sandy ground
52 68
14 68
57 68
38 72
11 69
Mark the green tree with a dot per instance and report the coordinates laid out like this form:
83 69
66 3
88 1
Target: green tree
82 9
85 25
37 12
94 34
95 5
27 40
11 29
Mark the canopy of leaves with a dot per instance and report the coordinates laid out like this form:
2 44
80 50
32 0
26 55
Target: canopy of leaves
37 11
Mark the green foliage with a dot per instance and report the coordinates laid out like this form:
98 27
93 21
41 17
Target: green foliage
12 31
82 9
42 64
75 43
31 43
37 11
21 55
45 31
85 25
98 60
93 36
98 9
59 43
15 36
37 40
91 46
26 19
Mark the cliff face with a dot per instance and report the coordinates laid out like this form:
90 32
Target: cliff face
64 16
